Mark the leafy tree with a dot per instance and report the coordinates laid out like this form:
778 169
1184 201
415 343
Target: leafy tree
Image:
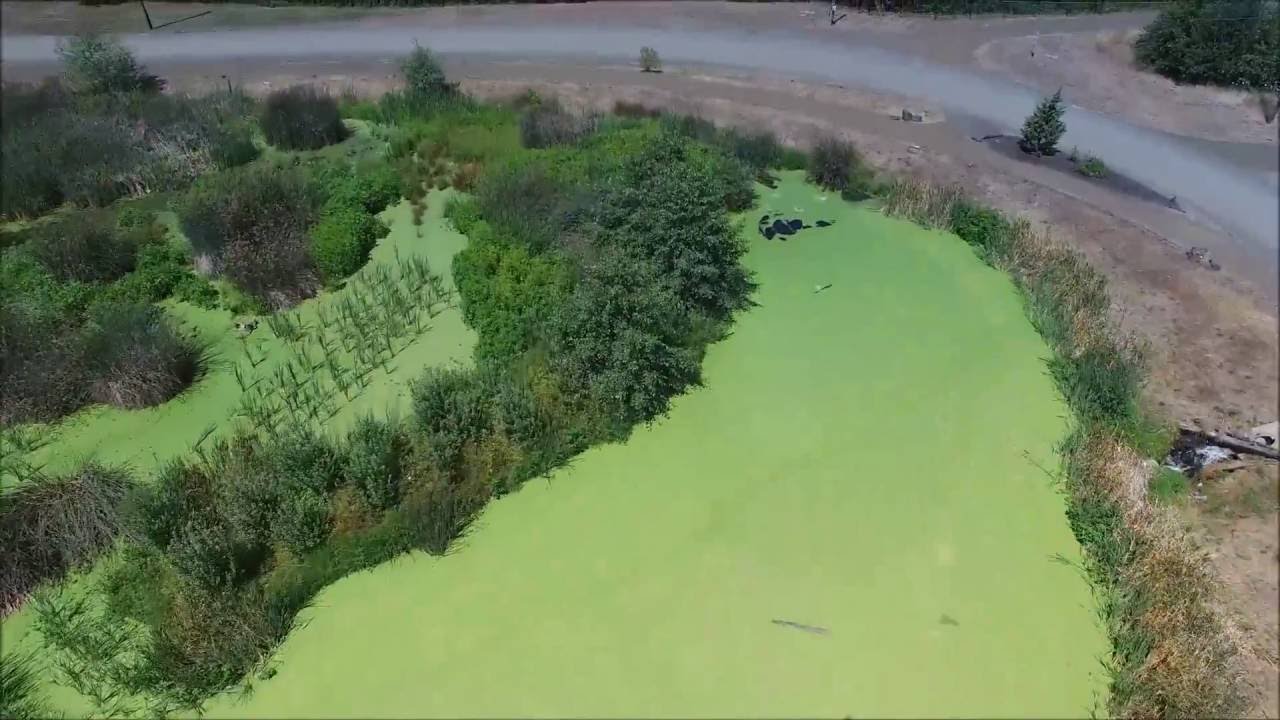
423 75
1044 127
619 340
666 203
94 64
1235 43
649 60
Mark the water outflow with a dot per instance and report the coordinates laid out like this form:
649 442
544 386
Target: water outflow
1243 201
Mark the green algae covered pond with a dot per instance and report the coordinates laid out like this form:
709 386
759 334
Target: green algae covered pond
852 517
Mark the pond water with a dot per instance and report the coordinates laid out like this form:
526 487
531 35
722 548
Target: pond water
853 517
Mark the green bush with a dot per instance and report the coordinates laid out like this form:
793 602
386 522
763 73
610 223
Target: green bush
667 203
423 76
372 463
1044 127
618 340
984 228
302 118
90 152
1234 43
453 408
342 240
507 292
649 60
95 64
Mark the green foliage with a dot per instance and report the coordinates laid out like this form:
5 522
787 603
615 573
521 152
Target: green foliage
666 203
1092 167
507 292
618 340
1169 486
95 64
423 76
1044 127
452 408
20 696
136 357
302 118
983 228
649 60
84 247
1234 43
87 149
342 240
373 461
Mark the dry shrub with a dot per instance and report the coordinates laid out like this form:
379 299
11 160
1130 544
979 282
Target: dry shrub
921 201
50 525
142 359
465 176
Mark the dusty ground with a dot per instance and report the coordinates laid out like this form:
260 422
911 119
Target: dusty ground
1097 71
1213 336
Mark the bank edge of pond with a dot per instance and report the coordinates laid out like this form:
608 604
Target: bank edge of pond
1173 653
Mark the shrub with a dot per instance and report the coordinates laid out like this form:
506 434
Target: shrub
50 525
508 293
423 76
837 165
138 358
84 247
666 203
523 200
452 408
115 145
1234 43
649 60
302 118
1092 167
1044 127
231 145
546 124
303 520
95 64
922 202
251 224
372 462
342 240
981 227
618 341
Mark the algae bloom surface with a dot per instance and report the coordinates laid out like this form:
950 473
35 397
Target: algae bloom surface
852 517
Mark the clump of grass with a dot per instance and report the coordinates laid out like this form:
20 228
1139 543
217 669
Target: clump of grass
837 165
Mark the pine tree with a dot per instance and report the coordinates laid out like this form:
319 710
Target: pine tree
1044 127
